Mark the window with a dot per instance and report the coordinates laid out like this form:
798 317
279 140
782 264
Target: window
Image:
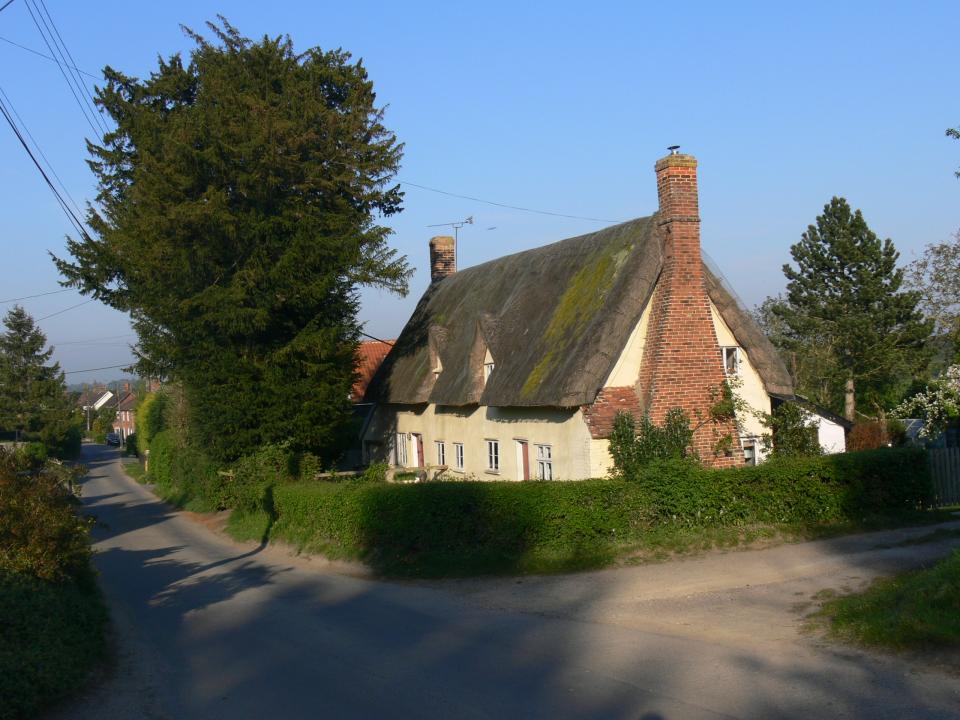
441 453
544 462
487 370
401 449
731 360
750 451
493 455
458 456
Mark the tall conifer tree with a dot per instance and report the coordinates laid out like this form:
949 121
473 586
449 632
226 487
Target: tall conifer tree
845 295
237 216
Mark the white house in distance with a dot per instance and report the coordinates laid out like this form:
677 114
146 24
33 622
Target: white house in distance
516 368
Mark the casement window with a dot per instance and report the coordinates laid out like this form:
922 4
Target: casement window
487 370
731 360
544 462
750 451
458 456
401 449
493 455
441 453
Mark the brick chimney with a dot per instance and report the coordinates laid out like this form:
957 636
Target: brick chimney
682 366
443 257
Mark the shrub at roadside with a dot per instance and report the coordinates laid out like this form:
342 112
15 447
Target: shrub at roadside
52 618
451 528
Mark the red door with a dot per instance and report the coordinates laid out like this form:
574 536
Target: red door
419 450
524 459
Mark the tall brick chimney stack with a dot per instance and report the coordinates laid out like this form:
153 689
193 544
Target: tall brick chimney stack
443 257
682 365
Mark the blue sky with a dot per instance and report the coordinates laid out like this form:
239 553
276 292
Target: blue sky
556 106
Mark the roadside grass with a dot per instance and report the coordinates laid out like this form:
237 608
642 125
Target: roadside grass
135 470
913 611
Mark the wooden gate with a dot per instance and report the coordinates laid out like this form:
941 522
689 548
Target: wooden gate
945 469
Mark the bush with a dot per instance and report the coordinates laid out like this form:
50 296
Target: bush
632 446
149 418
185 476
451 528
792 432
130 444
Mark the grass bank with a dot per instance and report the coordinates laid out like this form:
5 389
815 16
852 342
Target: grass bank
913 611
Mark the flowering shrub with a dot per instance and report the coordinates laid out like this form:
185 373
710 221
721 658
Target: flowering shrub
937 405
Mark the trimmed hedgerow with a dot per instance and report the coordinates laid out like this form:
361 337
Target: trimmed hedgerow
458 528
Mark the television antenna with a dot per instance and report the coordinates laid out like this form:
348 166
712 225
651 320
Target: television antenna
456 226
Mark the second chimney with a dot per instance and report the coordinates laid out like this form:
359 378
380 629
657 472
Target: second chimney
443 257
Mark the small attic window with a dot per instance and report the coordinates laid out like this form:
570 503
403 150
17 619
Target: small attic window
488 366
437 366
731 360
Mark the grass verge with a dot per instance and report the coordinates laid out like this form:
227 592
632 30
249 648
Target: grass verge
52 637
913 611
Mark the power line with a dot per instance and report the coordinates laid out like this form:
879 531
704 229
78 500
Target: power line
61 312
63 72
509 207
78 226
385 342
45 57
6 5
72 64
93 340
40 150
108 367
30 297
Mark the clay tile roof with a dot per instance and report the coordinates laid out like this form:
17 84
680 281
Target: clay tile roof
554 319
369 356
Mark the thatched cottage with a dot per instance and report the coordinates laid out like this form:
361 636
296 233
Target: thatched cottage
516 368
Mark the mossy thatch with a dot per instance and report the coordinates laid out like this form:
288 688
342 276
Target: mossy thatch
554 319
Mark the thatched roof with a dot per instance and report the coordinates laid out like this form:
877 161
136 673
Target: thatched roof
554 319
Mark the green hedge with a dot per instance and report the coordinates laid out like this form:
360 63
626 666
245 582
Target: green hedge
185 475
451 528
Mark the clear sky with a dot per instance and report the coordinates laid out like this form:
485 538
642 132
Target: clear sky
557 106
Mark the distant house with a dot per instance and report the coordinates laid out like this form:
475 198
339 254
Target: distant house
370 354
832 429
125 423
516 368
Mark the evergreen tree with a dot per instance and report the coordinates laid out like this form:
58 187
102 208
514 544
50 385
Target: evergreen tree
34 404
845 295
237 208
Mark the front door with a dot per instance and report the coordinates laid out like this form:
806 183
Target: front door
419 449
523 460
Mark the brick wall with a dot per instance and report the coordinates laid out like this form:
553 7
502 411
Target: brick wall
443 257
681 365
611 400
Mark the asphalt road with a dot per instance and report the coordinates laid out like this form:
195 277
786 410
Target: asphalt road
206 628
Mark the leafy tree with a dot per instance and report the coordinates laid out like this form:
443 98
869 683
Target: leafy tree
846 296
34 404
938 405
237 208
792 432
955 134
936 276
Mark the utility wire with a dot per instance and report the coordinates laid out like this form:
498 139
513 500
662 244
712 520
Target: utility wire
385 342
61 312
74 220
509 207
6 5
83 108
40 150
93 340
45 56
30 297
72 65
108 367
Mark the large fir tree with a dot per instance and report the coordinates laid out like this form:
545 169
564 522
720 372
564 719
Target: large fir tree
33 398
237 215
845 297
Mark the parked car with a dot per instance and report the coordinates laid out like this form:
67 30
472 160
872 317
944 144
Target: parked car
113 439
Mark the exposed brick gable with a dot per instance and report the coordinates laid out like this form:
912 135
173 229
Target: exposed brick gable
681 365
600 415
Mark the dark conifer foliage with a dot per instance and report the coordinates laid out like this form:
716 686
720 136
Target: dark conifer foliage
237 215
845 301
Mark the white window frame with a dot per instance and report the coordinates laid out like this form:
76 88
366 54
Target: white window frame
544 462
493 456
401 450
488 369
458 455
441 452
725 351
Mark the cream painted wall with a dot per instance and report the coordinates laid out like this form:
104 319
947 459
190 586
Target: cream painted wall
563 430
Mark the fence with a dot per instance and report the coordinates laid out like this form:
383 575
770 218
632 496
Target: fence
945 469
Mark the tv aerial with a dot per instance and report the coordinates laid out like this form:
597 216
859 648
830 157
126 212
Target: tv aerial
455 225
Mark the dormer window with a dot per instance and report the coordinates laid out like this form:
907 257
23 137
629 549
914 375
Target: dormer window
437 366
488 366
731 361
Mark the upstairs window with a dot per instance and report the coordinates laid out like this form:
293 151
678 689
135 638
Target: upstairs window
493 455
731 360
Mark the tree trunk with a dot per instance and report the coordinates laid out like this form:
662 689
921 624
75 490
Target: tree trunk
849 403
